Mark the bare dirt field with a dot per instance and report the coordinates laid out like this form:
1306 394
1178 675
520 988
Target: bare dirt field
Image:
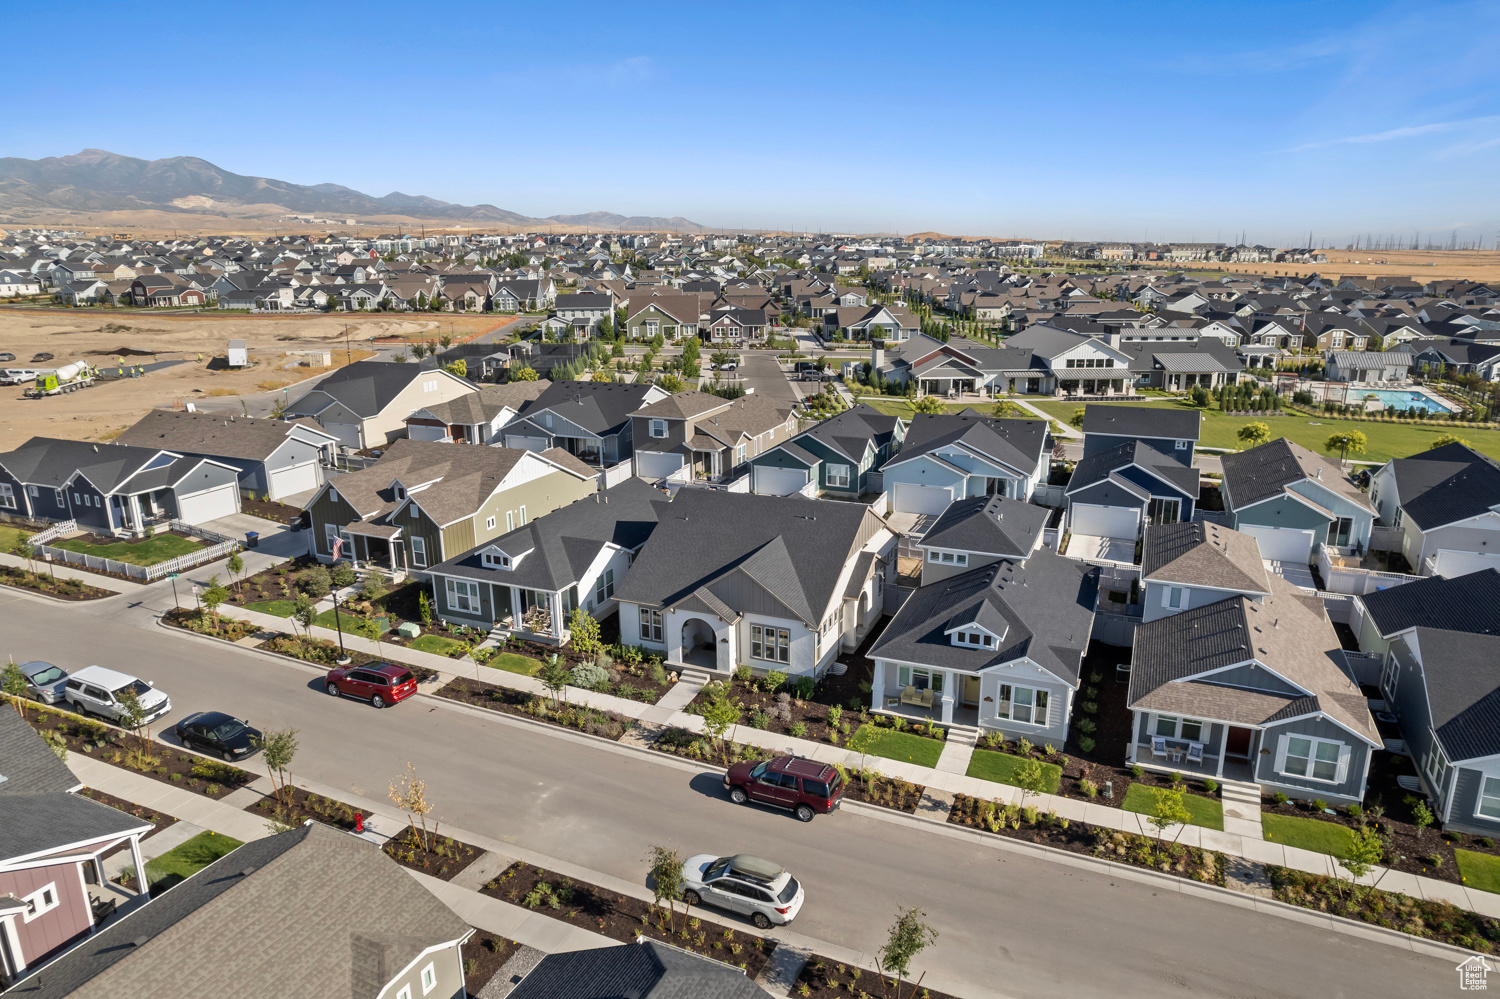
102 337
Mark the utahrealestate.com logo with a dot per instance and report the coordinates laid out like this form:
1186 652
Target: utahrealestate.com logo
1473 974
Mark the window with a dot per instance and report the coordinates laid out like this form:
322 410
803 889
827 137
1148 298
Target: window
1489 798
463 595
401 492
1022 704
658 428
58 495
418 551
922 679
976 639
1172 727
496 560
1166 726
489 523
429 979
1182 445
1315 759
510 521
771 644
1390 676
41 901
651 627
1164 511
523 514
7 496
330 534
605 587
1174 596
838 476
739 454
405 992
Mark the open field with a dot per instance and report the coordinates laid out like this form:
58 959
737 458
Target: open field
1419 265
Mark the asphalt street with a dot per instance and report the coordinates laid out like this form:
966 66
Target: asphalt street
1009 924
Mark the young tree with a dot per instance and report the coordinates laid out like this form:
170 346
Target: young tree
585 632
554 676
13 682
1254 434
278 748
342 575
304 612
860 742
1346 443
1364 851
236 567
25 549
667 880
909 935
215 595
400 357
524 373
1031 777
928 404
409 792
459 367
721 713
1447 439
1078 415
133 717
1167 808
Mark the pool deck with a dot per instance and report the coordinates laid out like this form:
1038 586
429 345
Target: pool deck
1436 401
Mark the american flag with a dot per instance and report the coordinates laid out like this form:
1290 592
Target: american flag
338 544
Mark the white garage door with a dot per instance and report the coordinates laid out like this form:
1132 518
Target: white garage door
1450 563
1282 544
656 464
211 504
526 443
1104 521
296 479
347 433
910 498
772 481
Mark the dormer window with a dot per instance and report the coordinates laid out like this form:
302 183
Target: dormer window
401 492
974 639
497 560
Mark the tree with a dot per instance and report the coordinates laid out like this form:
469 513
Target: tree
215 595
523 373
1345 443
1254 434
13 682
908 937
1167 808
720 713
459 367
585 632
928 404
133 717
236 566
304 612
409 792
1364 851
278 748
1447 439
446 341
862 740
554 676
342 575
1078 415
24 548
1031 777
667 880
400 358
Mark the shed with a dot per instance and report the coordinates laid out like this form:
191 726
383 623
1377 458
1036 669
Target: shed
239 354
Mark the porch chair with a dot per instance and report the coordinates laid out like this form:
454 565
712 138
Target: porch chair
1195 752
1159 746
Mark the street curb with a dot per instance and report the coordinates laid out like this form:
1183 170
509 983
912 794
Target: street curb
7 588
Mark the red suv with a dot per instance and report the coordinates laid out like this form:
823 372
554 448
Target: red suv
802 786
378 683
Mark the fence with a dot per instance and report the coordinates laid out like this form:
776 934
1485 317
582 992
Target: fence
1364 667
1386 539
1048 495
55 531
139 573
617 474
1342 578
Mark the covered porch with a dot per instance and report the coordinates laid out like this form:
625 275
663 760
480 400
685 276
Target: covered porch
949 697
1193 746
134 512
540 615
375 546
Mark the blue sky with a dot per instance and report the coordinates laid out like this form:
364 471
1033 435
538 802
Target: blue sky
1084 120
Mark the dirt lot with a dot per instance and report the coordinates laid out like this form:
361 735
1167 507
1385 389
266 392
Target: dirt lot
1419 265
100 337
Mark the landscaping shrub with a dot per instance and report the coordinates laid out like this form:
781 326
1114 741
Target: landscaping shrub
805 687
316 582
773 681
590 676
1137 771
1086 743
1086 725
1210 785
1279 797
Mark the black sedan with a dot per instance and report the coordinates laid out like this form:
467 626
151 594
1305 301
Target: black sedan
219 734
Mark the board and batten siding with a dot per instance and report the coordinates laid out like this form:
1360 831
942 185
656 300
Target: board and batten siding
1283 512
448 975
1351 788
329 507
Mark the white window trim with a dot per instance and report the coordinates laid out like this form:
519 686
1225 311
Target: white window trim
1010 715
1181 592
652 626
489 523
838 474
7 496
36 903
1179 724
464 590
657 429
429 978
419 551
510 521
905 675
496 560
1341 764
779 645
975 639
405 992
947 558
1479 812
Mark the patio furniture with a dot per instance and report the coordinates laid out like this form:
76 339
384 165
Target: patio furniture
920 698
1195 752
1176 753
1159 746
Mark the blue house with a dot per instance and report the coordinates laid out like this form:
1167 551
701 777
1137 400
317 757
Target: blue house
1172 431
1115 493
838 455
1291 500
953 456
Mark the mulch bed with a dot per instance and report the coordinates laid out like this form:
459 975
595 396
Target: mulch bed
306 805
622 917
158 820
1033 826
484 955
53 586
527 705
1393 910
444 863
210 778
190 619
281 513
325 653
824 978
887 792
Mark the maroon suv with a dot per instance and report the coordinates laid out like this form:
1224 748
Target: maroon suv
802 786
378 683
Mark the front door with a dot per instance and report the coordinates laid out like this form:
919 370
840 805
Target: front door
971 691
1237 743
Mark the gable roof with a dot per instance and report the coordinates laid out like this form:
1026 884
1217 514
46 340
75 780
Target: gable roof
683 405
1469 604
1018 443
51 462
1269 469
1197 553
1097 467
467 475
1141 420
1462 674
991 525
365 388
27 764
642 970
599 407
1440 486
215 434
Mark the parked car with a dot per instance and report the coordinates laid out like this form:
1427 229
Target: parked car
95 690
16 376
45 682
43 356
378 683
219 734
6 355
802 786
753 887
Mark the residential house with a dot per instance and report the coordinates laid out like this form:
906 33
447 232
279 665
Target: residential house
521 295
771 582
529 580
1173 432
583 312
735 326
952 456
1292 500
331 915
1117 492
1076 363
1243 677
998 647
1453 355
671 316
589 420
834 457
365 404
275 458
113 488
979 531
424 502
1177 367
1368 366
645 969
14 284
1445 502
476 418
1468 603
706 438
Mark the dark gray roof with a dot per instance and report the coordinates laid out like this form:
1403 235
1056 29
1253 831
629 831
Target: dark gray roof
46 821
364 387
1438 487
1097 467
27 764
1141 420
51 462
1041 609
1268 469
599 407
643 970
212 434
794 548
311 913
1018 443
992 525
1470 604
1205 354
1462 673
560 546
849 431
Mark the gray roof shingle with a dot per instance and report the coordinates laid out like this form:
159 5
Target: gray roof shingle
1017 443
1469 603
1462 674
1269 469
364 387
1198 553
1446 484
1141 420
642 970
992 525
1097 467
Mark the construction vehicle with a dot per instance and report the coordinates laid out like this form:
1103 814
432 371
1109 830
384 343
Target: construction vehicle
68 378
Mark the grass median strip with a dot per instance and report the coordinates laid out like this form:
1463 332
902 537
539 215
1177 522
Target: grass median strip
1479 870
1202 811
513 663
1308 834
438 645
905 747
188 859
1001 768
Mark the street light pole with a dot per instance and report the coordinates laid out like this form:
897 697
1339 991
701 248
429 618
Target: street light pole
338 623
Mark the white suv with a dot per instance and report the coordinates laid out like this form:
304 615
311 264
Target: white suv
95 690
748 885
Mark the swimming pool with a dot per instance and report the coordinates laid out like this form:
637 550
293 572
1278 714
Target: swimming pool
1402 399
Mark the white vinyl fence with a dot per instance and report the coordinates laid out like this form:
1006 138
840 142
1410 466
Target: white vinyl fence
222 545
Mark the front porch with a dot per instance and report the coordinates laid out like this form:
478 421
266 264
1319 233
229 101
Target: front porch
962 715
1228 752
947 697
134 512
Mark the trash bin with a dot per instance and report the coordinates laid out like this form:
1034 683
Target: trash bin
252 539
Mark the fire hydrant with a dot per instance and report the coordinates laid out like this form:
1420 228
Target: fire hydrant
359 822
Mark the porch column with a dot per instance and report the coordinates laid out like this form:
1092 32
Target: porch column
515 607
140 865
948 681
554 600
134 502
877 686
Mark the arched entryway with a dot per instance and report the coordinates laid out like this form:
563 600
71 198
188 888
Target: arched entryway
699 644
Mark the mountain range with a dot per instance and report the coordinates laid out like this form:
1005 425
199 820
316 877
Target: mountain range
98 181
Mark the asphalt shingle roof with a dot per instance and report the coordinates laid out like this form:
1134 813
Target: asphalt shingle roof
212 433
643 970
1198 553
1469 604
1462 673
1141 420
50 462
1097 467
1268 469
1438 487
1017 443
27 764
599 407
991 525
364 388
468 474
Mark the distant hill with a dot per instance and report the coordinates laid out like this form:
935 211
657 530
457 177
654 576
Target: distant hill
99 181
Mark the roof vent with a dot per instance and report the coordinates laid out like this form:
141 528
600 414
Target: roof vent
248 871
139 941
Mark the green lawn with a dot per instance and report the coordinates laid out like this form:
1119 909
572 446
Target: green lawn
281 608
187 859
437 645
1001 768
1201 811
354 624
905 747
1479 870
11 536
148 551
514 663
1387 440
1309 834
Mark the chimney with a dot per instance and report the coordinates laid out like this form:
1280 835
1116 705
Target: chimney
877 357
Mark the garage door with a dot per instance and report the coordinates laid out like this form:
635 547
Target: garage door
211 504
1104 521
347 433
526 443
772 481
655 464
1449 563
298 478
909 498
1282 544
